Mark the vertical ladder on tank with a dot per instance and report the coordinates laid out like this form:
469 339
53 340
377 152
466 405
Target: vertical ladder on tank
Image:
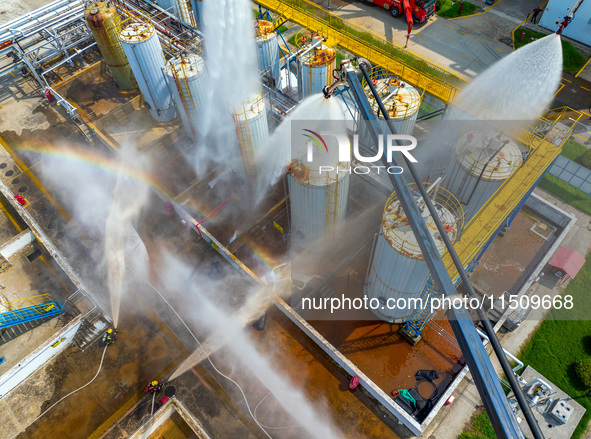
185 13
245 143
423 314
183 88
332 203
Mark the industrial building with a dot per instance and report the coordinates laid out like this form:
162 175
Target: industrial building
248 181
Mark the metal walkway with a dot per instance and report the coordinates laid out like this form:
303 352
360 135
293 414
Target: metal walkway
414 69
543 147
29 309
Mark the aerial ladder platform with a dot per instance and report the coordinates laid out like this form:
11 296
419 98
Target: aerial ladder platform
29 309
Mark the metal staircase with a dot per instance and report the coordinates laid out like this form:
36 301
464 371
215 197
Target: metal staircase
183 87
29 309
245 142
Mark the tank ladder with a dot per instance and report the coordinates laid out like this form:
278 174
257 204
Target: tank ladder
245 143
332 203
185 14
183 87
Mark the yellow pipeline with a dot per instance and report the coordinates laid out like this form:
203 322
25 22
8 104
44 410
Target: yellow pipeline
101 18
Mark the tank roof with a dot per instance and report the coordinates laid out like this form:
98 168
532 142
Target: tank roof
264 30
489 150
397 231
319 57
401 100
186 67
134 31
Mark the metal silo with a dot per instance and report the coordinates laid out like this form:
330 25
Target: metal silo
315 65
144 52
252 130
186 79
267 48
102 18
318 191
483 160
402 101
179 8
397 270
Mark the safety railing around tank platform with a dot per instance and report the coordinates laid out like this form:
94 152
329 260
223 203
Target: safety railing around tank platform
396 110
412 68
543 146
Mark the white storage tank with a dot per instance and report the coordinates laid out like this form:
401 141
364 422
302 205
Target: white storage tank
144 53
315 66
267 48
483 160
402 101
186 81
318 183
398 270
252 130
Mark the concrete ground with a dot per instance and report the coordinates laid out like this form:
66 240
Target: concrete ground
465 45
11 9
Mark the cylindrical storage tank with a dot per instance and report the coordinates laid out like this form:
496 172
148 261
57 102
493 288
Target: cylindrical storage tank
197 10
402 101
252 130
398 271
315 66
144 52
179 8
102 18
267 48
318 182
186 79
483 160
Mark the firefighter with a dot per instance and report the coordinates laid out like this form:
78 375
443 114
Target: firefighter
154 386
109 337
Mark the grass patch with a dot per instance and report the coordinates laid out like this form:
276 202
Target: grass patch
566 192
480 428
450 9
562 340
291 40
340 57
573 60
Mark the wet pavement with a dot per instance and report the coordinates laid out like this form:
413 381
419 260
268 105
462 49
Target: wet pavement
510 255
